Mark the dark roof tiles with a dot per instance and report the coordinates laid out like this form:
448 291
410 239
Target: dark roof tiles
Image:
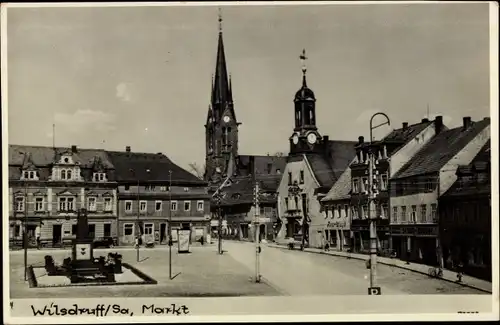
438 151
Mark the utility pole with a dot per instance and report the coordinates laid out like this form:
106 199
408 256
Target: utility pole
170 242
372 192
138 222
257 234
218 198
25 230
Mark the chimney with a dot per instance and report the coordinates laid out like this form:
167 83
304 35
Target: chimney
438 123
467 122
127 148
405 125
361 140
74 149
425 120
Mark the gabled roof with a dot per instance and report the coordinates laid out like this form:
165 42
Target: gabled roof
438 151
481 161
341 189
328 168
133 166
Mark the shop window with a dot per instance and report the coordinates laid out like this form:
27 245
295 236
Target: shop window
107 230
128 229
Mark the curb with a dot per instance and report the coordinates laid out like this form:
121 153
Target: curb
387 264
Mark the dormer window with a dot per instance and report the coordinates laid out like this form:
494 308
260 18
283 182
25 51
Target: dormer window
30 174
99 177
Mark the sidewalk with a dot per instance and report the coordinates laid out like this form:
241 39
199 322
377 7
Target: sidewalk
449 276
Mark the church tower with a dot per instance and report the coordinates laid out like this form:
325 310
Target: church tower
221 128
305 137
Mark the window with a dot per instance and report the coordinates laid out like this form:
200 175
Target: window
413 213
73 229
186 189
39 204
403 214
187 205
108 204
355 185
17 230
128 206
66 204
148 229
92 206
173 206
91 230
149 188
261 210
434 212
99 177
68 175
142 206
364 211
289 178
128 229
346 210
301 177
383 182
107 230
29 174
339 211
364 184
19 203
354 212
158 205
423 213
286 203
395 214
164 188
385 211
429 186
200 206
63 174
126 187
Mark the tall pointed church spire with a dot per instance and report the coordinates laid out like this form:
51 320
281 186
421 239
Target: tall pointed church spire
303 58
220 91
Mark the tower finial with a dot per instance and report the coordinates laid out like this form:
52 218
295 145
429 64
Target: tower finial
220 20
303 58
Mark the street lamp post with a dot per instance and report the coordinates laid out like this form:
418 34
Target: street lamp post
371 197
25 230
218 201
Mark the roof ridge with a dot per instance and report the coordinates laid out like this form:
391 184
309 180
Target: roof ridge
50 147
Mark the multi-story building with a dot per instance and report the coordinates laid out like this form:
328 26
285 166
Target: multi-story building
314 165
337 213
390 154
416 187
47 186
465 218
152 191
234 175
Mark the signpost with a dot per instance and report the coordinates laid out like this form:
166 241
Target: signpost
257 222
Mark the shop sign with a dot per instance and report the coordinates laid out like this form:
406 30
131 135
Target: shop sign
336 224
415 231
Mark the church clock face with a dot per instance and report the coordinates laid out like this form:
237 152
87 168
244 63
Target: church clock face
311 138
295 139
227 119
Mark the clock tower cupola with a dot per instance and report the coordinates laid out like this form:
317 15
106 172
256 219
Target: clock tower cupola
305 135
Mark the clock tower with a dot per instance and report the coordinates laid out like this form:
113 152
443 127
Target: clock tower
305 137
221 128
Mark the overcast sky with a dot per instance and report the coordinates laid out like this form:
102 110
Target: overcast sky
141 76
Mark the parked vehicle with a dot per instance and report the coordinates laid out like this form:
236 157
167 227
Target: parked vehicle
104 242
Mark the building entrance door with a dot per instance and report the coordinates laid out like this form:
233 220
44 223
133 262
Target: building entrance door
56 235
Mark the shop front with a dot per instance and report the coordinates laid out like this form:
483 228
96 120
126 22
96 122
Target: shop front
416 243
360 239
337 235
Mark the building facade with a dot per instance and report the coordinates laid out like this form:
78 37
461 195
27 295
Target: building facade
314 164
47 186
465 218
416 187
152 192
395 149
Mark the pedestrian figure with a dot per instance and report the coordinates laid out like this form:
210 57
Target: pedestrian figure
327 247
202 240
37 235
